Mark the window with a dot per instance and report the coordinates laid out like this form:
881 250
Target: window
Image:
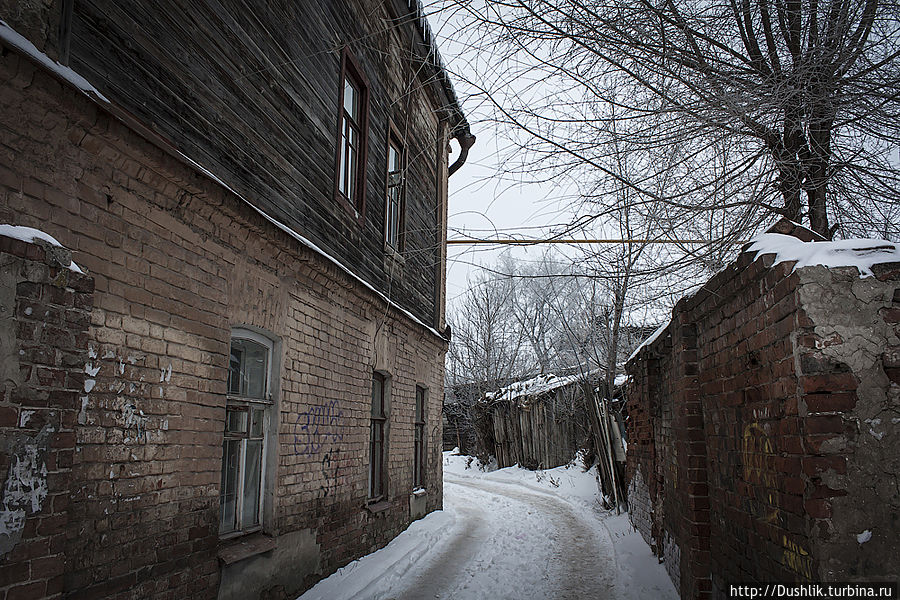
376 437
419 440
352 135
247 414
393 230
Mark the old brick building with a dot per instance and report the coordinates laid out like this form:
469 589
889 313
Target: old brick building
242 391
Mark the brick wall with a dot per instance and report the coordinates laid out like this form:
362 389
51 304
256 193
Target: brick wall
178 262
749 447
44 316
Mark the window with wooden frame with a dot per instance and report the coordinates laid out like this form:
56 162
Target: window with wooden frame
247 413
376 437
419 440
352 135
395 201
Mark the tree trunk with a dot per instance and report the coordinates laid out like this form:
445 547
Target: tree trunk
818 174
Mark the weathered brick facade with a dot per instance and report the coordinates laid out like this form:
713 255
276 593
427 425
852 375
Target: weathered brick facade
759 420
44 316
134 385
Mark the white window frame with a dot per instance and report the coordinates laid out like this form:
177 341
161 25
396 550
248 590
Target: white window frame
395 197
250 403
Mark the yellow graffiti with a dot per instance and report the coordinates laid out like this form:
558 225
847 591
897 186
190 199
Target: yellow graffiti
757 450
795 558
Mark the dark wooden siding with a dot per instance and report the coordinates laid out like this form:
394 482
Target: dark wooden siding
250 90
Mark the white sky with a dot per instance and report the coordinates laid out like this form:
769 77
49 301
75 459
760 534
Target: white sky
484 202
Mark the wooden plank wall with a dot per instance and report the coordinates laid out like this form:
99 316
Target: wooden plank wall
538 434
250 89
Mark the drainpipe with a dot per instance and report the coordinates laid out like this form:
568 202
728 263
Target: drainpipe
465 139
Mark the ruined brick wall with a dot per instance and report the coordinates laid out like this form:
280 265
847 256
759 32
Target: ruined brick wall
178 262
849 402
44 316
759 377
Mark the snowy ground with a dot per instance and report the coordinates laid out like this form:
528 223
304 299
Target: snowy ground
508 533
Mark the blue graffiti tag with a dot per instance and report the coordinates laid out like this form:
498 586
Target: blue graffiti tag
317 426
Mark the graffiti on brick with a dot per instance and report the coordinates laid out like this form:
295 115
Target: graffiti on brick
758 457
796 558
330 470
317 426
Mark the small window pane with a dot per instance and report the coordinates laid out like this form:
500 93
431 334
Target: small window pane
378 396
248 369
393 159
228 500
252 480
236 421
234 369
351 171
342 180
375 470
420 405
256 422
351 99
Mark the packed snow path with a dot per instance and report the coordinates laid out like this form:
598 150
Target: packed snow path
509 533
516 542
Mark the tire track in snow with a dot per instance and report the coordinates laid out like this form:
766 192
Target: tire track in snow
517 543
453 559
588 563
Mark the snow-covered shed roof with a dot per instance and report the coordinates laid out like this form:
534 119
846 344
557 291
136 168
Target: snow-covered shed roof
536 386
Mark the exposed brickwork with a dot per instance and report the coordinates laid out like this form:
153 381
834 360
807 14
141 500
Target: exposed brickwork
177 262
748 434
44 316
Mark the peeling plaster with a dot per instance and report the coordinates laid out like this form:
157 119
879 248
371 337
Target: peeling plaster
846 316
82 414
24 417
134 419
25 489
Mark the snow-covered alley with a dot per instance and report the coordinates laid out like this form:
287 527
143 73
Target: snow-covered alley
508 533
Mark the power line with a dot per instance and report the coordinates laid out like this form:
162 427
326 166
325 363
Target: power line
518 242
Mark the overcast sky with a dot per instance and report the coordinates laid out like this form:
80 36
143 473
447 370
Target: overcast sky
484 202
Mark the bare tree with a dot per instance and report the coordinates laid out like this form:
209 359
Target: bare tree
761 107
487 343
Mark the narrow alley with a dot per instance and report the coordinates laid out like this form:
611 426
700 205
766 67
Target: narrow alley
509 533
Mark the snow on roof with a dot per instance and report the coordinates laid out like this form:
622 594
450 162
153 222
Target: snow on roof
534 387
14 39
29 235
17 41
651 339
859 253
621 380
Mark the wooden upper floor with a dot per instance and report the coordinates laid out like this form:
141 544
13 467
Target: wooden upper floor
332 117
